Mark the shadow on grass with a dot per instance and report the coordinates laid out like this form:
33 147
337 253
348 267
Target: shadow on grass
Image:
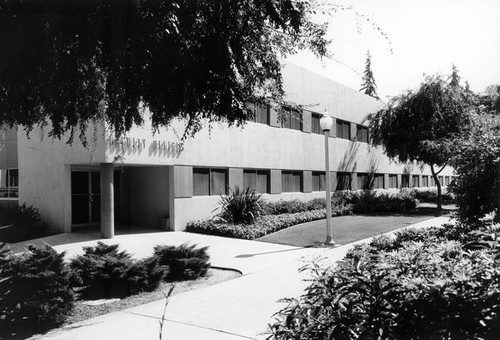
422 211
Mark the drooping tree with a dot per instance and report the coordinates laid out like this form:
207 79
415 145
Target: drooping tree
417 125
70 62
368 85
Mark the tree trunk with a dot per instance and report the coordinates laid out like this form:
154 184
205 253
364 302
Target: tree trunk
438 184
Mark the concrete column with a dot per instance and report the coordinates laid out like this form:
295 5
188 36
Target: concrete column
107 201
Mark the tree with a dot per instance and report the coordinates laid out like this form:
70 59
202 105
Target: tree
416 126
455 78
71 62
477 163
368 86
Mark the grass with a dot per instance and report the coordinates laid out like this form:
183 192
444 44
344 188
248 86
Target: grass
83 312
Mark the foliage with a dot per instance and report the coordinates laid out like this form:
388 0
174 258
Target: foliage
367 201
40 294
24 221
418 290
103 271
240 206
296 205
184 261
477 164
74 62
262 226
368 85
430 195
417 125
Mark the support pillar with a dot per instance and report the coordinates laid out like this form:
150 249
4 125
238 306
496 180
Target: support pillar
107 201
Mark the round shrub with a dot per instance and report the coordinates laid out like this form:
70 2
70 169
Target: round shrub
24 223
184 261
39 294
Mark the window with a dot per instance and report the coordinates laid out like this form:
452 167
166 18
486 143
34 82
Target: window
440 178
433 182
315 127
405 181
318 181
343 129
393 181
415 181
361 134
378 181
364 181
209 181
447 180
292 119
291 181
257 180
425 181
343 181
9 183
262 113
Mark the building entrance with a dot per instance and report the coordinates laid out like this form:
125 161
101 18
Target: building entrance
85 198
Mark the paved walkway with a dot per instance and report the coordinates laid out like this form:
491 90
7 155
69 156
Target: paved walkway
236 309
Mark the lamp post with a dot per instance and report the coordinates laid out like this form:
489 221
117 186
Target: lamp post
326 123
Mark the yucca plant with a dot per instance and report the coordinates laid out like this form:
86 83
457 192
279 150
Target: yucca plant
241 205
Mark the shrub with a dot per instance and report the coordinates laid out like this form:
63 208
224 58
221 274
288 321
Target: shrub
286 207
103 271
429 195
240 206
422 290
374 202
24 221
184 261
39 292
262 226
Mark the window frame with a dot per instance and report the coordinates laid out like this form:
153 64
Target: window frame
316 127
211 180
11 184
290 185
359 132
257 172
340 126
318 177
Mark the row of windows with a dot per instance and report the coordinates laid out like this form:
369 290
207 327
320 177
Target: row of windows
9 183
292 119
211 181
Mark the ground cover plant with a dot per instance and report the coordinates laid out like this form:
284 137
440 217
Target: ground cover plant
439 283
240 205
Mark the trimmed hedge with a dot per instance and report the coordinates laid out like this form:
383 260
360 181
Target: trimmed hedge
422 284
36 291
262 226
429 195
363 202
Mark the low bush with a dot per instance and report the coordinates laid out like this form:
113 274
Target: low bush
104 272
240 206
21 223
262 226
421 290
35 291
375 202
429 195
184 261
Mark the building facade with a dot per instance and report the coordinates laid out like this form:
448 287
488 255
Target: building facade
148 180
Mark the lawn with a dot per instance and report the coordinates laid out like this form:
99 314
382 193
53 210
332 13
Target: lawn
347 229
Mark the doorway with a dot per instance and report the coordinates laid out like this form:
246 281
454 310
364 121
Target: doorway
85 198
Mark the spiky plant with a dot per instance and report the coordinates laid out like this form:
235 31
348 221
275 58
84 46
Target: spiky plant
241 205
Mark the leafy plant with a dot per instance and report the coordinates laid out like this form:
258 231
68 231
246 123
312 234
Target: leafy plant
421 290
24 223
240 206
39 292
184 261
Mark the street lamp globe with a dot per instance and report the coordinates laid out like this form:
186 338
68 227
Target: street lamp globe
326 122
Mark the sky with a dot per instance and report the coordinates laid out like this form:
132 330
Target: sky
424 37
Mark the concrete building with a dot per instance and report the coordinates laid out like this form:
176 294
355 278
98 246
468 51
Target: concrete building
158 181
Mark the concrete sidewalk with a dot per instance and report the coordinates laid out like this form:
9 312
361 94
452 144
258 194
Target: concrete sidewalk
237 309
